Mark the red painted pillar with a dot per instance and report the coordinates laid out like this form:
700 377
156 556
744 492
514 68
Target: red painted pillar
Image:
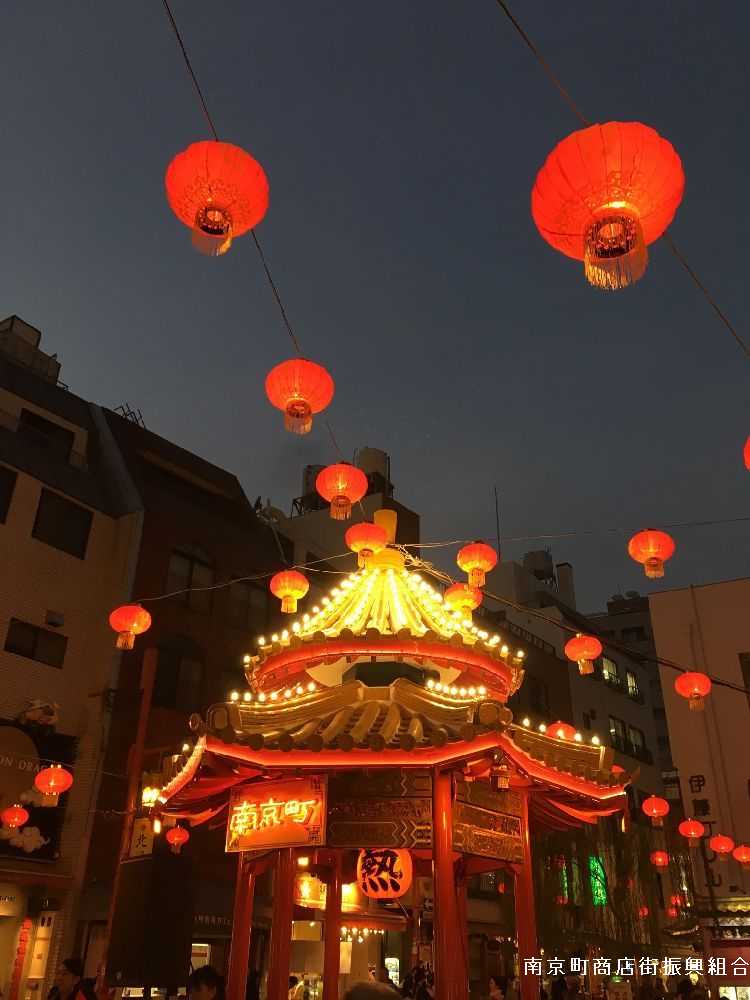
331 945
281 926
242 926
462 918
450 973
525 910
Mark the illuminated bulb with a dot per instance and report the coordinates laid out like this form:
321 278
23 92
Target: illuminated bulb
495 640
296 626
299 689
472 692
365 932
462 692
234 696
311 686
520 654
305 617
304 862
325 600
526 721
316 610
438 686
288 693
246 658
274 696
596 741
274 637
261 696
578 738
482 690
504 650
261 640
335 592
157 826
430 684
186 748
542 728
454 690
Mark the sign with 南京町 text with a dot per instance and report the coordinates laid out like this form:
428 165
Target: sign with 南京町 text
269 814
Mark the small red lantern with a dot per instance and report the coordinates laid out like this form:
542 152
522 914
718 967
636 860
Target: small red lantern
366 539
693 830
643 912
341 485
746 453
218 191
694 686
14 817
659 859
561 730
129 621
742 855
652 548
52 782
657 808
290 586
617 770
299 388
672 912
177 837
384 873
501 886
721 845
583 650
561 900
477 559
462 598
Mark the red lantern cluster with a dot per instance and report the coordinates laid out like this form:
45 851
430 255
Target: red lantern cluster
289 586
299 388
14 817
692 830
52 782
656 808
721 845
583 650
177 837
366 539
694 686
341 485
129 621
742 855
659 859
651 548
477 559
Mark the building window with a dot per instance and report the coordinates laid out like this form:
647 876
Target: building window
7 485
189 568
635 633
597 881
586 720
248 606
46 433
538 696
36 643
609 671
637 741
632 682
62 524
178 681
617 732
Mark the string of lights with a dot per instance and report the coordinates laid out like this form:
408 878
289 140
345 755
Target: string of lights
700 285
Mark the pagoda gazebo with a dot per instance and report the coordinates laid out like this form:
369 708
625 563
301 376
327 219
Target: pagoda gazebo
378 721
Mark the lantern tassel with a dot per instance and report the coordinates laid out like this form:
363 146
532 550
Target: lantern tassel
341 508
125 640
654 568
696 704
288 604
585 667
615 253
298 417
476 577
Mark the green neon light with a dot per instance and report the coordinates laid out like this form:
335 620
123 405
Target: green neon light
597 881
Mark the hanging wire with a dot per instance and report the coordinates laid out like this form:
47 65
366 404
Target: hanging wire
582 118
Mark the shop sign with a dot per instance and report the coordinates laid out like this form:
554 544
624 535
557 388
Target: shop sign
487 823
269 814
142 839
389 808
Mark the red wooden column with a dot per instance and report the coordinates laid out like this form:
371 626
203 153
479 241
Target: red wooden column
242 926
331 945
450 973
525 910
281 927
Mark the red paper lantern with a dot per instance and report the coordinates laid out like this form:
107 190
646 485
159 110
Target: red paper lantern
129 621
583 650
218 191
652 548
462 598
477 559
643 912
694 686
659 859
616 769
657 808
501 886
177 837
561 730
672 912
675 900
746 453
605 193
366 539
742 854
341 485
721 845
299 388
692 829
14 817
290 586
384 873
52 782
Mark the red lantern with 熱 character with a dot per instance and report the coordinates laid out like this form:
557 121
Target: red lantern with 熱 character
462 598
583 650
52 782
561 730
656 808
14 817
651 548
605 193
691 829
384 873
129 621
177 837
299 388
694 686
721 845
741 853
477 559
659 859
366 539
341 485
290 586
218 191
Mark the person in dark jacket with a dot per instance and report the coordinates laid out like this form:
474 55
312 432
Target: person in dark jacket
70 984
205 984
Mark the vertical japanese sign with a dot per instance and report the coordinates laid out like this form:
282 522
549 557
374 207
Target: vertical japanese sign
277 814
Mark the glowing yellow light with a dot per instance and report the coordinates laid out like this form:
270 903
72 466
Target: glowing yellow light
438 687
288 693
157 826
348 890
472 692
520 654
246 658
454 690
274 637
305 617
247 696
303 862
234 696
526 721
504 650
274 696
596 741
261 640
462 692
578 738
482 690
430 684
296 626
542 728
311 686
299 689
325 600
186 748
316 610
261 696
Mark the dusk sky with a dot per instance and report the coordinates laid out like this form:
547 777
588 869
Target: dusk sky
401 140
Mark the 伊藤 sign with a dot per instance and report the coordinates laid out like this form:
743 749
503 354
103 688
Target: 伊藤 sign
269 814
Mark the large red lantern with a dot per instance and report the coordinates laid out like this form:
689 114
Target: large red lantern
299 388
52 782
659 859
341 485
129 621
462 598
583 650
605 193
741 853
14 817
477 559
652 548
218 191
691 829
561 730
721 845
694 686
384 873
290 586
366 539
656 808
177 837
